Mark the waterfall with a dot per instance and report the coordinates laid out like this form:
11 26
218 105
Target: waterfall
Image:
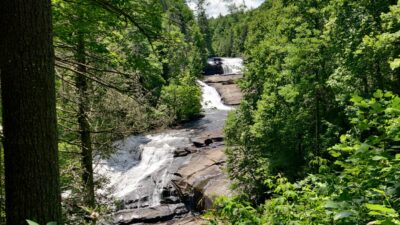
232 65
140 169
211 98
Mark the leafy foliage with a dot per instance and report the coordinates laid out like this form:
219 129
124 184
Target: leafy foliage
312 68
181 100
358 186
229 33
125 67
302 69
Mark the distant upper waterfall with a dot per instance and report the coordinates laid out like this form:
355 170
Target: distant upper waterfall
225 66
232 65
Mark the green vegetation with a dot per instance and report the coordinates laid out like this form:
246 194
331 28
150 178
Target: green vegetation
181 100
313 142
356 186
122 68
229 32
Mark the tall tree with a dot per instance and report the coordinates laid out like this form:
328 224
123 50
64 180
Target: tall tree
202 20
29 113
84 126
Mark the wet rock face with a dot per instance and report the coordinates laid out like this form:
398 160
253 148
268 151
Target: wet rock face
134 210
149 215
226 87
202 178
212 69
181 152
194 186
195 175
224 79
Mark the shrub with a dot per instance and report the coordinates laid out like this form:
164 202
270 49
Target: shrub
359 186
181 100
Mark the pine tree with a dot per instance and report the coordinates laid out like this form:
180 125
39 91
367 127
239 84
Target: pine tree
29 113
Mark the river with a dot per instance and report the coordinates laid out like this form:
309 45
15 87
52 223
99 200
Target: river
142 169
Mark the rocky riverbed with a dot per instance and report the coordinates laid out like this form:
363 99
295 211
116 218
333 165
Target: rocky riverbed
170 178
226 87
202 178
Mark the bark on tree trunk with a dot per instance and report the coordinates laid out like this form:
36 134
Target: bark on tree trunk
29 113
84 126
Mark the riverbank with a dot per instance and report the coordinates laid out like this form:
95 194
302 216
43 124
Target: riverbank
202 178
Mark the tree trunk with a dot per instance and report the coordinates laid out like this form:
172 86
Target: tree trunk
29 112
84 126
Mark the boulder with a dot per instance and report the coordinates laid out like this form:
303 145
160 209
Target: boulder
230 93
181 152
203 177
208 141
226 87
227 79
149 215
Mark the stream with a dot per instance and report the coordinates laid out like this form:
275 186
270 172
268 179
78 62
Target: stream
142 170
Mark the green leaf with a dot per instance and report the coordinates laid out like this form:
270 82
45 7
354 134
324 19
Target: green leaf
378 191
388 94
30 222
342 215
374 213
52 223
395 64
380 208
335 154
331 205
356 99
378 158
378 94
388 222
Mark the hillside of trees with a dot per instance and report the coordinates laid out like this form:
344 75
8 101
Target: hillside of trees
316 138
121 68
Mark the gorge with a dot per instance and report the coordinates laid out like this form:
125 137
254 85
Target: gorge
174 175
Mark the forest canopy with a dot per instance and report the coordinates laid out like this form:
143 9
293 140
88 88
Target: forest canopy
121 68
315 140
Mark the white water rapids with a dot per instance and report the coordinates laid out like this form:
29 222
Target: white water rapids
232 65
229 66
140 168
211 98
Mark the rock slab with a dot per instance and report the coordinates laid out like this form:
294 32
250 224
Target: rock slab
226 87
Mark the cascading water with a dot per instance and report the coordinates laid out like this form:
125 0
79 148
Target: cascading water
210 98
138 171
142 166
232 65
224 66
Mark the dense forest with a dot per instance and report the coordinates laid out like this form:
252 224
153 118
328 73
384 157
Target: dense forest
121 68
315 139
